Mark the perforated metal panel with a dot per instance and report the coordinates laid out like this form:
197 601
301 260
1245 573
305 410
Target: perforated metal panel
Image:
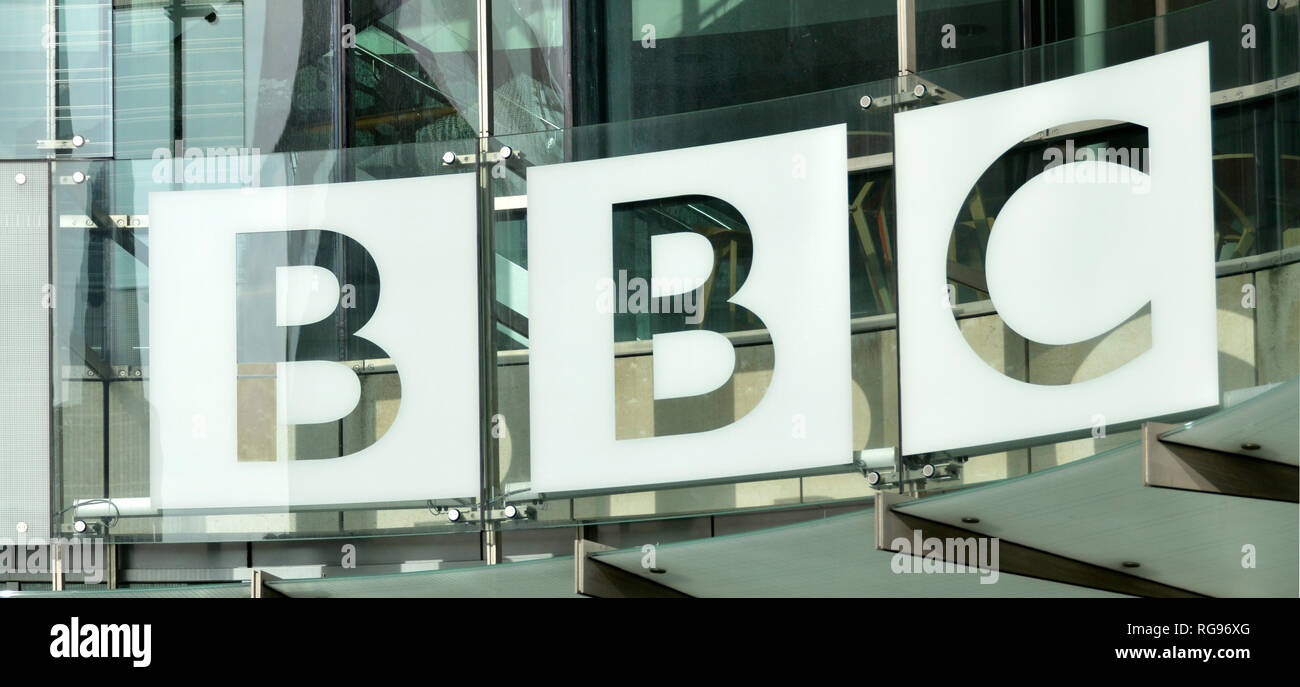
24 351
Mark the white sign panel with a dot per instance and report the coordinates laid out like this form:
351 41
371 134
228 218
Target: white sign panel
791 191
1075 252
228 287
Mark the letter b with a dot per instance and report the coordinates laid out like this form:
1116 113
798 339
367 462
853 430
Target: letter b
594 429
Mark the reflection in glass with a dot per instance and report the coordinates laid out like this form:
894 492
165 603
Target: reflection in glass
644 58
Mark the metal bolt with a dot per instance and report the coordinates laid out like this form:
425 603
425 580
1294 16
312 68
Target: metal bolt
20 178
78 176
21 527
865 101
449 158
919 90
78 141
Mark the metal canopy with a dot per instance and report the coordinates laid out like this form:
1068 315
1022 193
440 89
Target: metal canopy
1270 420
546 578
831 557
1096 510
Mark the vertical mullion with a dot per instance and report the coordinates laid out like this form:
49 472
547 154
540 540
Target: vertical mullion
339 77
486 286
906 66
341 137
906 37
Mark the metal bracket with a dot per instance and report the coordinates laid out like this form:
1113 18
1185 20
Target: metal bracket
912 90
60 143
1171 465
261 590
594 578
474 514
513 159
470 159
878 475
56 567
112 565
120 221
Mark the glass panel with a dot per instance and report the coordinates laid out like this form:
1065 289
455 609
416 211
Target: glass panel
1252 117
103 397
292 75
1058 20
530 78
57 77
84 75
198 75
25 113
869 231
25 476
644 58
412 73
953 31
1219 22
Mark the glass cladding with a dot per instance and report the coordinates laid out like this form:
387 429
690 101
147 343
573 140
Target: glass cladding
530 73
291 75
412 72
24 321
953 31
57 73
644 58
26 115
282 94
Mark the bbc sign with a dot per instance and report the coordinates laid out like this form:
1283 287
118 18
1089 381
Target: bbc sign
241 278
